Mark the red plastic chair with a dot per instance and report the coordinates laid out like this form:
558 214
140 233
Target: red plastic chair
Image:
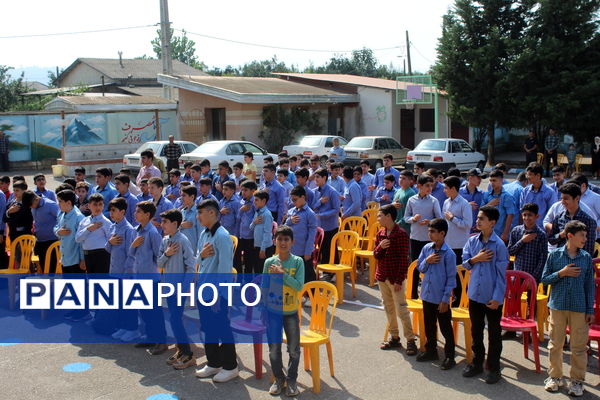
594 334
518 282
596 265
316 254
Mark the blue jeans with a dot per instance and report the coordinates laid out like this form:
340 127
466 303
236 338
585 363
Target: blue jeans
291 327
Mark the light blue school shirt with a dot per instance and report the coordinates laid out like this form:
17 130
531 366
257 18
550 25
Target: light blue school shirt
71 252
304 231
120 260
439 279
146 255
428 207
222 260
459 227
93 240
263 232
327 213
351 205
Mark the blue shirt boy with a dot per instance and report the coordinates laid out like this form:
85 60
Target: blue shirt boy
229 220
146 255
120 260
305 230
263 232
439 279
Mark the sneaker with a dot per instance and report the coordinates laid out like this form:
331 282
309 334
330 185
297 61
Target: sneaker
226 375
117 335
157 349
174 357
207 371
130 336
185 361
411 348
277 387
553 384
291 389
472 370
575 388
427 356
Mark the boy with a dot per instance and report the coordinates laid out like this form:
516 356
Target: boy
190 226
249 169
457 212
246 237
437 190
282 178
196 173
205 189
327 210
571 155
528 243
315 163
44 212
122 183
293 163
172 191
472 193
292 268
145 250
352 195
237 174
387 168
205 171
276 200
133 189
121 235
177 257
570 271
104 187
498 197
71 253
144 189
229 208
335 180
364 190
303 221
40 190
155 187
437 262
420 209
262 227
419 168
302 176
284 163
385 194
148 170
215 255
5 186
537 192
337 152
486 256
558 176
401 197
391 253
187 173
367 178
222 177
82 190
93 234
18 218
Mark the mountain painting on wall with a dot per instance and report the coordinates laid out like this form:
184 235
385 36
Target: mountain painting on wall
78 133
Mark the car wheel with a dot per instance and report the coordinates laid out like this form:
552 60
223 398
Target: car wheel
481 165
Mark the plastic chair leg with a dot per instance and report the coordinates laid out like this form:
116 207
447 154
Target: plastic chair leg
330 357
536 350
455 330
468 341
315 369
258 360
353 281
526 344
339 285
306 358
372 270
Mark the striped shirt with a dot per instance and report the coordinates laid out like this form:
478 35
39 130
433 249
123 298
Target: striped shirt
558 225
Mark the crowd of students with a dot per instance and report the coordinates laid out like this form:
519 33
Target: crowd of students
439 220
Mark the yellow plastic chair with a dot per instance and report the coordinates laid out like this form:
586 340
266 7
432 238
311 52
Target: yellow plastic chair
23 246
461 313
578 158
562 159
234 240
596 250
346 241
322 296
370 214
54 248
540 158
373 205
367 255
542 311
355 224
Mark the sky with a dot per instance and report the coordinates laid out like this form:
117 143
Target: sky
330 25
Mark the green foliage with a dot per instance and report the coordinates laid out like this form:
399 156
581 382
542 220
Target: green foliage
10 89
182 49
282 123
53 78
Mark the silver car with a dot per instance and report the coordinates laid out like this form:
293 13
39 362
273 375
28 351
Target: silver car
372 149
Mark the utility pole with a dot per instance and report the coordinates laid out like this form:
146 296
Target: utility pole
408 54
165 45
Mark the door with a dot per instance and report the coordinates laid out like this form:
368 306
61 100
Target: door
259 154
407 128
397 151
235 153
215 123
456 155
470 155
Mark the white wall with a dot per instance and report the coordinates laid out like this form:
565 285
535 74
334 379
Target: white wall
376 111
82 73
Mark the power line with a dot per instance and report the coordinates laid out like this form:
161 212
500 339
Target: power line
76 33
276 47
421 54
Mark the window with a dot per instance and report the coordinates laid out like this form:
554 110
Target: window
310 141
188 147
426 120
148 146
235 149
455 147
465 147
329 142
254 149
392 144
431 144
381 144
343 141
359 142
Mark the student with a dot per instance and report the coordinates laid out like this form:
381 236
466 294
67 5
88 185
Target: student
589 199
44 212
249 170
303 221
571 156
284 163
437 262
190 226
420 209
93 234
385 195
276 203
486 256
364 190
230 208
262 227
456 172
528 243
237 175
293 163
282 178
391 253
145 250
18 218
337 152
205 191
121 235
326 210
438 187
122 183
457 213
515 188
223 172
215 255
133 189
335 180
419 168
246 237
177 257
292 269
368 178
172 192
177 203
205 171
196 173
472 193
387 168
302 176
352 195
315 164
104 187
401 197
144 188
558 176
537 192
82 190
148 170
5 186
3 255
498 197
187 173
155 188
570 271
40 190
71 253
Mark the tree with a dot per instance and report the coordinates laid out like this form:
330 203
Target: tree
10 89
480 41
182 49
362 62
53 77
282 123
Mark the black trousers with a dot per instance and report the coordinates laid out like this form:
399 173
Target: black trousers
259 263
326 245
97 261
244 254
309 271
176 321
458 289
40 249
220 344
275 215
432 317
172 164
554 158
530 157
3 255
478 312
4 162
415 249
72 269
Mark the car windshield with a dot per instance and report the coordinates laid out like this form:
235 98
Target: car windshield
360 142
310 141
439 145
148 146
209 147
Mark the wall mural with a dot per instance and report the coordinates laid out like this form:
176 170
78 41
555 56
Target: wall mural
17 130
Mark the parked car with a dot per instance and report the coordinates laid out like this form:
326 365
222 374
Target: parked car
231 151
372 148
312 145
444 154
132 161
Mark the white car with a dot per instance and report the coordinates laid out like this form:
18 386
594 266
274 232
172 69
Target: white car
132 161
231 151
444 154
314 145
